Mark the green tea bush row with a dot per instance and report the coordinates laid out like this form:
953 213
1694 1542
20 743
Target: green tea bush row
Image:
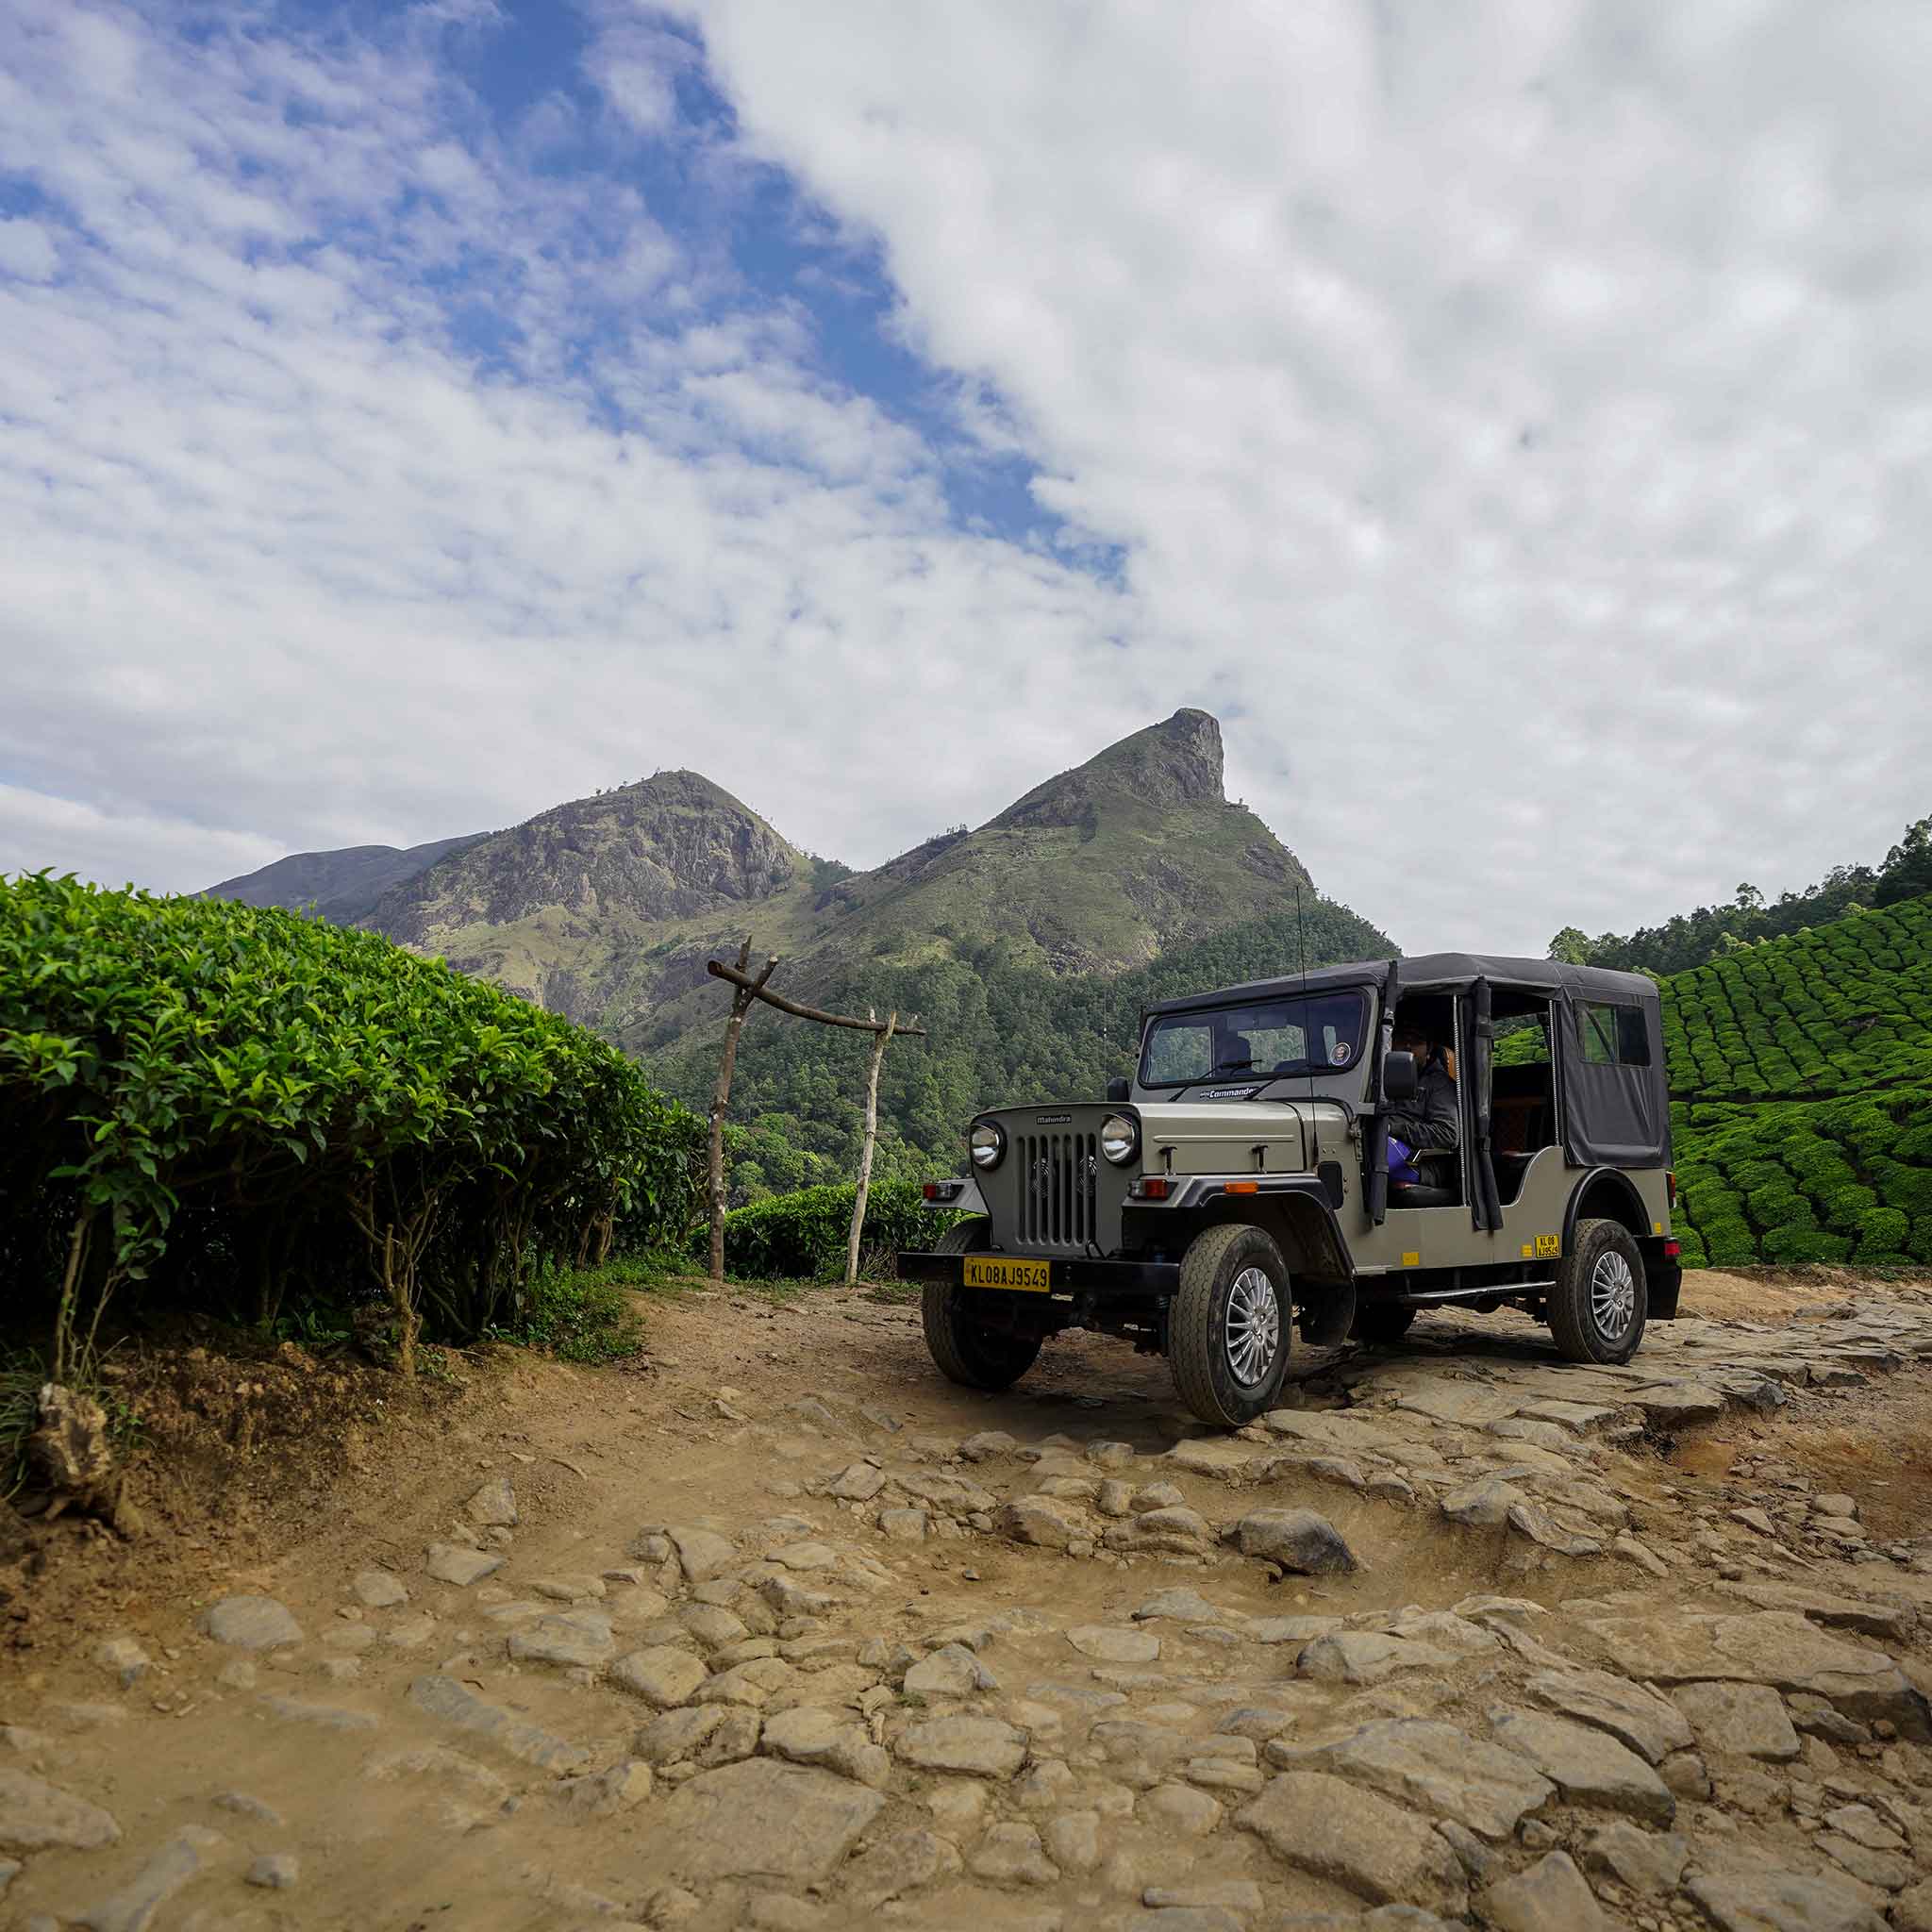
1814 1181
220 1102
1843 1009
803 1235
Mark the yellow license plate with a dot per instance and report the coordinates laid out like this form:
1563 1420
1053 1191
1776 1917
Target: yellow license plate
997 1271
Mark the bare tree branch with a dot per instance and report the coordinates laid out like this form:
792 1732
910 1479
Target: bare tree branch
739 977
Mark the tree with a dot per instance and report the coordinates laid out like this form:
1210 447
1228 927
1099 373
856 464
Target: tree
1908 866
1749 898
1570 946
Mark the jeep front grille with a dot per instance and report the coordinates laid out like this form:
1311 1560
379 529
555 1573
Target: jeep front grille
1058 1175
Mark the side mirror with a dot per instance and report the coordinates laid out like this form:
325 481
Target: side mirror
1119 1089
1398 1076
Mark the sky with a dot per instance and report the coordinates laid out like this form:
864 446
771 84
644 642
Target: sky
1512 421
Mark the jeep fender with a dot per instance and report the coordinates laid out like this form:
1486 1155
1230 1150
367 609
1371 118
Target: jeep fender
1611 1197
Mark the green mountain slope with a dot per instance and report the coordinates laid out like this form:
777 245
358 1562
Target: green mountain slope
344 885
1801 1080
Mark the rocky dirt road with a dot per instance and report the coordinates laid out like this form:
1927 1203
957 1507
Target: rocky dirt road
791 1635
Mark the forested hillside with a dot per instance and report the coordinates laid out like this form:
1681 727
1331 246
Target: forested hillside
1801 1078
1692 939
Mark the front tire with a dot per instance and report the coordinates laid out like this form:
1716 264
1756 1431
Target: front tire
963 1349
1601 1302
1228 1330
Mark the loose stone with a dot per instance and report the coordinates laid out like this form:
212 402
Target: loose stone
1738 1720
377 1590
1298 1539
1552 1896
276 1871
250 1623
1337 1830
494 1505
1588 1766
453 1563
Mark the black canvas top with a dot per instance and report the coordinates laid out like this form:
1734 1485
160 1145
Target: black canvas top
1615 1114
1436 971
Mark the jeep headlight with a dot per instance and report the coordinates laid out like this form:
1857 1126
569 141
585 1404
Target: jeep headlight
1120 1137
986 1144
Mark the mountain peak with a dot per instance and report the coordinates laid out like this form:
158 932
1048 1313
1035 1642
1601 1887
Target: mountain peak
1178 762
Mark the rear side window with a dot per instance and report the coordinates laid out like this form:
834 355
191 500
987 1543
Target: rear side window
1613 1035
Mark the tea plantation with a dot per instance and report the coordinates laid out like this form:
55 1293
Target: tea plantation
1801 1083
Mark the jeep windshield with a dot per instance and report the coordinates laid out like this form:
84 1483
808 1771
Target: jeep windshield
1308 1034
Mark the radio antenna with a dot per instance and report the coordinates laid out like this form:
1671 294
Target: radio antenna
1301 947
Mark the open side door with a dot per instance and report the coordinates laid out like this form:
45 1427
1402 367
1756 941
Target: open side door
1485 1199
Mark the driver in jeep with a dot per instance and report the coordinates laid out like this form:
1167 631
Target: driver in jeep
1430 1120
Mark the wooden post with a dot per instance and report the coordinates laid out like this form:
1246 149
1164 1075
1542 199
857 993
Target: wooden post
871 1135
747 990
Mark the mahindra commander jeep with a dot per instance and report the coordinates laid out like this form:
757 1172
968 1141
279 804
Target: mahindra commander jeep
1247 1179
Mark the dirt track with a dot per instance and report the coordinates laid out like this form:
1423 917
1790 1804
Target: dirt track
691 1686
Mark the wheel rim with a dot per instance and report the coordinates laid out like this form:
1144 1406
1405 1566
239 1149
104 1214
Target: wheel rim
1612 1296
1254 1326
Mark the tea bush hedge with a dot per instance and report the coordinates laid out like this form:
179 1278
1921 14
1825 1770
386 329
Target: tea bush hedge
223 1103
802 1236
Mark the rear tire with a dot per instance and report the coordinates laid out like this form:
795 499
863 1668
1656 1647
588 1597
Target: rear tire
1228 1329
964 1350
1381 1325
1600 1303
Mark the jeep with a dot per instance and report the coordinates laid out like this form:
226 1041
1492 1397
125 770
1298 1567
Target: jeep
1241 1184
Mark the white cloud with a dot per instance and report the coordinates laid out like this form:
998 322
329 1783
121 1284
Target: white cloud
1517 411
1514 427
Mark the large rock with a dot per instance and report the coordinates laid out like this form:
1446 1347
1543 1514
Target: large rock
1109 1643
1335 1829
811 1734
1552 1896
1775 1647
968 1746
1441 1770
581 1638
1645 1861
1738 1720
951 1670
250 1622
1050 1522
757 1819
1366 1656
1641 1718
701 1554
1890 1622
661 1675
1588 1766
1482 1504
1760 1900
36 1816
457 1564
1298 1539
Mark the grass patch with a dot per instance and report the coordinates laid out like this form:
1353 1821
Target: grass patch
584 1314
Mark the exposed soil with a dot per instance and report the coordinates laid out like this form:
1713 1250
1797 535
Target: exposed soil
268 1473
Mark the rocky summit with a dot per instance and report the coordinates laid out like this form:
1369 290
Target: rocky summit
1459 1636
